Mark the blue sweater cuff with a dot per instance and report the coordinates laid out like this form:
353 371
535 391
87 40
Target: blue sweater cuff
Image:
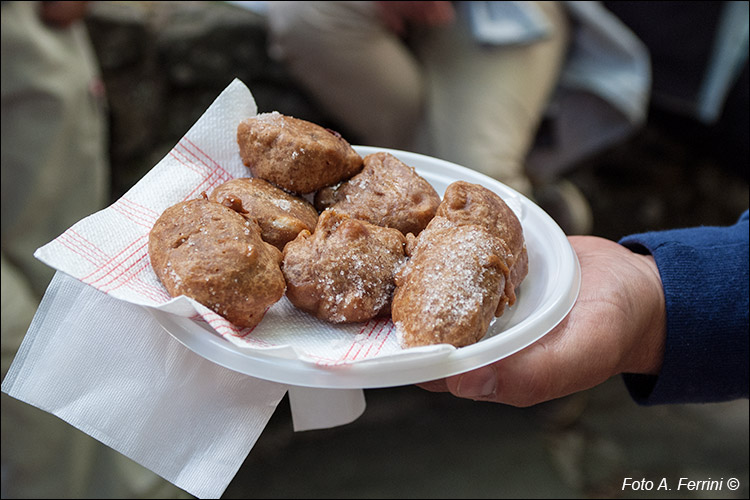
704 272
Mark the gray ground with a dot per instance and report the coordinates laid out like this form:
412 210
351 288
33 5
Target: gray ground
414 444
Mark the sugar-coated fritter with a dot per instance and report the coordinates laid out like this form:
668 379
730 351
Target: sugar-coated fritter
280 215
387 192
467 203
209 252
295 154
463 269
344 271
450 288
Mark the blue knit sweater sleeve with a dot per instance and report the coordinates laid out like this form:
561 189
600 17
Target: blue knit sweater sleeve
704 272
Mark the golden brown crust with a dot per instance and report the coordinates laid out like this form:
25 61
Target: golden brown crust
450 288
295 154
280 215
467 254
209 252
467 203
463 269
387 192
344 271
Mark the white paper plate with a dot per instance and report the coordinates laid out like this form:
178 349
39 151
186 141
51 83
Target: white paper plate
544 298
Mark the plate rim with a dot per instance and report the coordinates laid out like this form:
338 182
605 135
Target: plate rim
395 371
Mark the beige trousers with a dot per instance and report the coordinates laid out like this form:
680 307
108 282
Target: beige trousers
437 92
54 172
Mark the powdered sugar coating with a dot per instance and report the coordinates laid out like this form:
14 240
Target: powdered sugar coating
344 271
463 269
451 286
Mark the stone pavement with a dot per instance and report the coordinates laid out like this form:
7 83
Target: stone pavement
411 443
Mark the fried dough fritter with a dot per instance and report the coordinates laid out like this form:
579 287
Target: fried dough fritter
280 215
210 253
387 192
467 203
344 271
296 155
463 269
449 289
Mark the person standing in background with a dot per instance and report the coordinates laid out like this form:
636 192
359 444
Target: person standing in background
55 171
519 91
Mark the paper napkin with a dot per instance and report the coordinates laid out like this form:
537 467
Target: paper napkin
106 367
95 357
109 250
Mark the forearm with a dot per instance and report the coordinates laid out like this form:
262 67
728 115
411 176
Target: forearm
704 272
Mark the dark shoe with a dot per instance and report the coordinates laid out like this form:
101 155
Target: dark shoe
567 205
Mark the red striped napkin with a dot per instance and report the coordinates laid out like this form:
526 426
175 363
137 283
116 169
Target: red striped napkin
109 249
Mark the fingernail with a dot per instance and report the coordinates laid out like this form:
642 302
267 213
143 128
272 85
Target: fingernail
478 384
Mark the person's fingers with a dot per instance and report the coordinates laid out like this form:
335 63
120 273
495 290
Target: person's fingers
522 379
480 384
397 15
62 14
571 358
434 385
615 326
437 13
